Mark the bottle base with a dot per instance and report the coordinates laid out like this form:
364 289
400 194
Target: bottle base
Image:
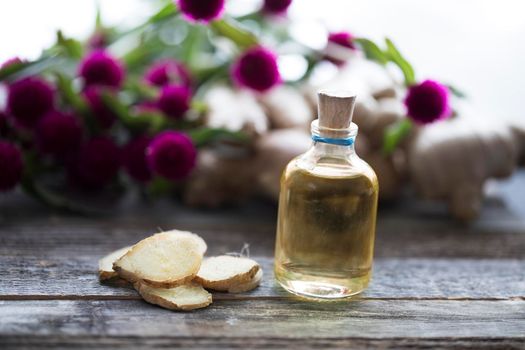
316 287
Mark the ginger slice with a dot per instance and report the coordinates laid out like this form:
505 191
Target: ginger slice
105 265
185 297
163 260
198 239
247 286
222 272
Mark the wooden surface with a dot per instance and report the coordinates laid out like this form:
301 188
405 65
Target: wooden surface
436 283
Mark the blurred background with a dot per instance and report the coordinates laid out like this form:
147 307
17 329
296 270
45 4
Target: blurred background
106 88
477 44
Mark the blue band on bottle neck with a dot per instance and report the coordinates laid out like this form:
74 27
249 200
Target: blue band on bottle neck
340 142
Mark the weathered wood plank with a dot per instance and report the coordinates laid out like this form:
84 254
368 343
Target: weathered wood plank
267 319
113 342
74 236
56 276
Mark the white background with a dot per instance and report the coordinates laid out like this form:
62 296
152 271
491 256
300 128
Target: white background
479 45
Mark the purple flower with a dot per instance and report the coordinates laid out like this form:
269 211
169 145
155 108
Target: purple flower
11 165
166 72
103 115
4 124
343 39
428 102
201 10
172 155
276 7
134 158
11 61
174 100
28 100
100 68
58 133
97 163
256 69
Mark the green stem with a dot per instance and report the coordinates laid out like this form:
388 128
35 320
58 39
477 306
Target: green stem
231 29
51 199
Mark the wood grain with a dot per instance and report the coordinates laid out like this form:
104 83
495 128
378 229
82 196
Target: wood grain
115 342
436 284
396 237
74 277
269 319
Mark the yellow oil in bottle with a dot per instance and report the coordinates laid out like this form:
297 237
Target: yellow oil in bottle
326 223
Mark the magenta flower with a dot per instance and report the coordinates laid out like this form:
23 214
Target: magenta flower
166 72
97 163
28 100
11 61
174 100
58 133
256 69
276 7
11 166
100 68
172 155
343 39
201 10
4 124
134 158
103 115
428 102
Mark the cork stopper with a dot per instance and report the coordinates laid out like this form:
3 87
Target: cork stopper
335 109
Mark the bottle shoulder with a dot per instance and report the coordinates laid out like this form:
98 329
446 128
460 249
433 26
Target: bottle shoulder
331 167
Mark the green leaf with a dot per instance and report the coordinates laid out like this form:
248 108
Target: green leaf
231 29
70 96
395 133
395 57
142 90
456 92
166 12
146 121
204 136
71 47
199 106
191 45
159 186
14 68
372 51
98 19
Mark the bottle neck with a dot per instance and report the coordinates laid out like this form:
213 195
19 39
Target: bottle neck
333 142
333 150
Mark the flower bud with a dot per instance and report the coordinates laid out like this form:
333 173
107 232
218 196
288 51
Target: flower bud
171 155
428 102
256 69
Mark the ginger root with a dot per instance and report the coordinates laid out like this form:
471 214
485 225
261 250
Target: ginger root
286 108
163 260
186 297
219 179
273 152
105 265
167 269
224 272
451 160
247 286
235 110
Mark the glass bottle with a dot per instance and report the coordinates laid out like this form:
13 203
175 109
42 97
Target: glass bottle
327 210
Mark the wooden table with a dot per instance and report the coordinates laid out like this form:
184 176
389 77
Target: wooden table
436 284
